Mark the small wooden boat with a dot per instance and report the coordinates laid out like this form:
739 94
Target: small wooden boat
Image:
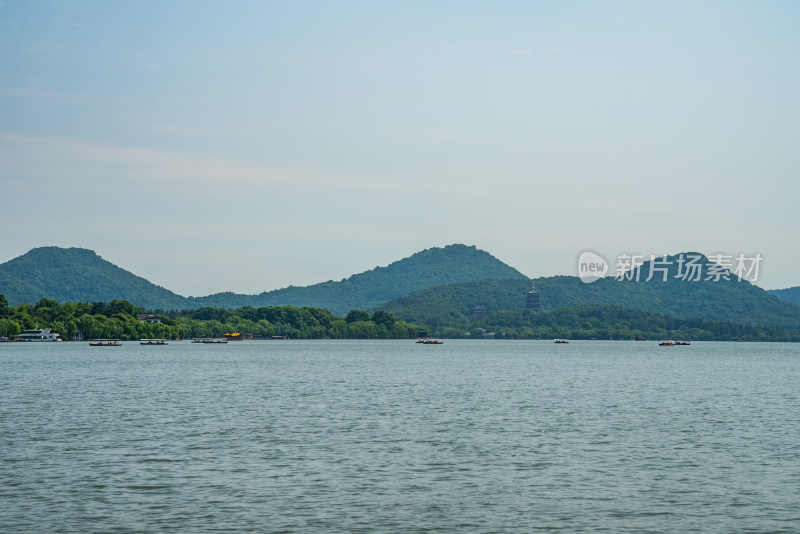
105 343
152 342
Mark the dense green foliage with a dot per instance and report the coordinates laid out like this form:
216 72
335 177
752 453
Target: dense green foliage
607 308
17 290
613 322
790 294
428 268
79 275
296 323
729 301
119 319
450 305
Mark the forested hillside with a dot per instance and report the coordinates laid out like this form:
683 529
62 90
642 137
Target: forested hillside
78 275
428 268
790 294
438 288
719 300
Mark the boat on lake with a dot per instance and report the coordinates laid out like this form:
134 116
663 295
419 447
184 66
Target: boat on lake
673 343
561 341
430 341
152 342
38 334
209 340
105 343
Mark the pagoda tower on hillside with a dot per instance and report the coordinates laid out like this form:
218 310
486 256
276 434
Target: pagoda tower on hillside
533 302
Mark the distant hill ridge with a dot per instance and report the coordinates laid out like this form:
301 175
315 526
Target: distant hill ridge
80 275
790 294
722 300
434 287
427 268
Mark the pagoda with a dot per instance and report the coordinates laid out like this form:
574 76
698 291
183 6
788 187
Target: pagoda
533 302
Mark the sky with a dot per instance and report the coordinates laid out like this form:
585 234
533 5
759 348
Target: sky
250 145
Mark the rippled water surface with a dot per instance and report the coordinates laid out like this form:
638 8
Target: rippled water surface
387 436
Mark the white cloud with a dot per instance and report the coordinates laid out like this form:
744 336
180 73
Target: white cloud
87 164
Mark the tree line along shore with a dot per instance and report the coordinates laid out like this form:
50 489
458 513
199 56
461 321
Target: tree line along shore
119 319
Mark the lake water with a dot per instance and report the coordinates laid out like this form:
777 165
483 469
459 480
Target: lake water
392 436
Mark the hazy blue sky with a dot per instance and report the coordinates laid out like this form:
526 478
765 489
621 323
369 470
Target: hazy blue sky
246 146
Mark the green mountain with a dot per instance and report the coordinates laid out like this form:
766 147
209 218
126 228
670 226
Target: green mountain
17 290
667 292
428 268
437 287
451 305
790 294
78 275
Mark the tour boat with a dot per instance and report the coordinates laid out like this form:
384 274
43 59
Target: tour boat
38 334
